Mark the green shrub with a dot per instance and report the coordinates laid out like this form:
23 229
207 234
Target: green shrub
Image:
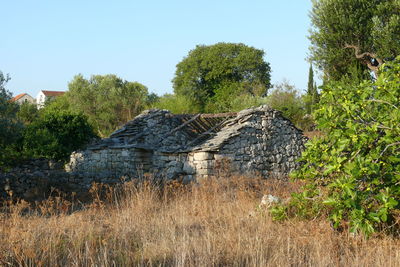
353 171
231 97
27 113
287 99
10 127
56 135
247 101
177 104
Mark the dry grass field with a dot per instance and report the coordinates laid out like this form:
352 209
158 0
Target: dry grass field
217 223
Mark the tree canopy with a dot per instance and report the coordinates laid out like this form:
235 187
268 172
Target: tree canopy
215 73
353 170
348 35
286 98
107 100
9 126
27 113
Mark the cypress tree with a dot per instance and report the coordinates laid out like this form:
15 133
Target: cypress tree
312 91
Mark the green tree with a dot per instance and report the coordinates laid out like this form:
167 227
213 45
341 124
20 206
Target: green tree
354 34
217 72
151 100
55 135
353 170
285 98
311 98
27 113
107 101
8 112
10 128
60 103
177 104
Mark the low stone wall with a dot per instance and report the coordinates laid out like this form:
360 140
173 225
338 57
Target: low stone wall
35 180
111 162
38 179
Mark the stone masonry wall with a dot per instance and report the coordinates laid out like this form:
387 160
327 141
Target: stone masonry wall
258 141
111 162
268 146
269 153
262 143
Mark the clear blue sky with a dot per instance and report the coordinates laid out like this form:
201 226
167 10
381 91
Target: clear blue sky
45 43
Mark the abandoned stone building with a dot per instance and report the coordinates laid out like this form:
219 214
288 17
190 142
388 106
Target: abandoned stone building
254 141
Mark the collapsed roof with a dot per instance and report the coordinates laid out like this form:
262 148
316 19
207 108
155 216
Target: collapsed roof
160 130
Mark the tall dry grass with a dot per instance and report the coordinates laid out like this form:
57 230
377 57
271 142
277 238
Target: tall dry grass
216 223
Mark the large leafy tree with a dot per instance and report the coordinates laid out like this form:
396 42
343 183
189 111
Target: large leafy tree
107 100
348 35
10 128
7 112
215 73
353 170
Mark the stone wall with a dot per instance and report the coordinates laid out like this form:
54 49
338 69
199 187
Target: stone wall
258 141
35 180
111 162
262 143
269 146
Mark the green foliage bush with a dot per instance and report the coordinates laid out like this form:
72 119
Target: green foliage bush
353 171
246 101
177 104
27 113
181 105
55 135
287 99
10 127
235 97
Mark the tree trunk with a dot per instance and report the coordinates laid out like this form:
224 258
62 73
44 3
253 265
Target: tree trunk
372 61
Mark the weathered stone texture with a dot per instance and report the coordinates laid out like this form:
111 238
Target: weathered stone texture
188 147
257 140
35 180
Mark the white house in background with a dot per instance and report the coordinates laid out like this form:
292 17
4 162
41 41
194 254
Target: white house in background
44 96
23 98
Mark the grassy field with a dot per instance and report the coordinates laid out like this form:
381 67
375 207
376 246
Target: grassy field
217 223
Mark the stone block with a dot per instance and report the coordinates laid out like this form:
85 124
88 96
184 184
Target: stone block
203 156
188 179
203 171
205 164
221 156
95 156
174 164
188 168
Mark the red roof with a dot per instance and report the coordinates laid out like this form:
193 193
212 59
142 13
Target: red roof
15 98
52 93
